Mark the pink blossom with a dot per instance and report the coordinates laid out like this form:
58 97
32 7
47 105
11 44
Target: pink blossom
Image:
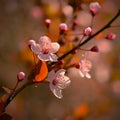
87 31
84 67
20 76
58 81
94 7
46 49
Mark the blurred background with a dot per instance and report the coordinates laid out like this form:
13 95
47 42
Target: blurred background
94 99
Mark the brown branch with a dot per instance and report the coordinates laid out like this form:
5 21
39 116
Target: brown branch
89 38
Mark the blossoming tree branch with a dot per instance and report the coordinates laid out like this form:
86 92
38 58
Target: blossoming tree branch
51 65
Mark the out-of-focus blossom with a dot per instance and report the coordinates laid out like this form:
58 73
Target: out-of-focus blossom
58 81
47 23
87 31
63 27
116 87
36 12
46 49
111 36
20 76
94 49
84 67
94 7
67 10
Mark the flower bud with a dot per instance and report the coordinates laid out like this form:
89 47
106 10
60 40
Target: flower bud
31 42
94 49
47 23
63 27
20 76
94 7
87 31
111 36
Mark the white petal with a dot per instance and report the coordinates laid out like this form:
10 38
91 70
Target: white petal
81 74
51 75
61 71
88 75
53 57
43 57
44 40
35 48
58 93
66 82
55 47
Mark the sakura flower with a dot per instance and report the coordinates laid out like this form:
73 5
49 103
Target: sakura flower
94 7
84 67
58 81
46 49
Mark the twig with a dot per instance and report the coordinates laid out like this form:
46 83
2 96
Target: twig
89 38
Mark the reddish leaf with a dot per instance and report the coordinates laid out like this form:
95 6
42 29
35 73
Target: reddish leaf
42 72
2 103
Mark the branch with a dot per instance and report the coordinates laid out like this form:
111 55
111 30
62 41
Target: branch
89 38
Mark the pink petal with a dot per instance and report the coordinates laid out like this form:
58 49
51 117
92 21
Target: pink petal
35 48
51 75
44 40
43 57
61 71
53 58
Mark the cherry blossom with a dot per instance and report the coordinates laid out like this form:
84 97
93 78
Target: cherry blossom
84 67
46 49
58 81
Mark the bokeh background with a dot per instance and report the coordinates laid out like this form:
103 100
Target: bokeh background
94 99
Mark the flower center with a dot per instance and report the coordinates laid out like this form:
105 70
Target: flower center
55 82
45 51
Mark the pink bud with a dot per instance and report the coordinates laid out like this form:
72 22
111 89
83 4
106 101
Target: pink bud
111 36
20 76
94 49
31 42
87 31
47 23
63 27
94 7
